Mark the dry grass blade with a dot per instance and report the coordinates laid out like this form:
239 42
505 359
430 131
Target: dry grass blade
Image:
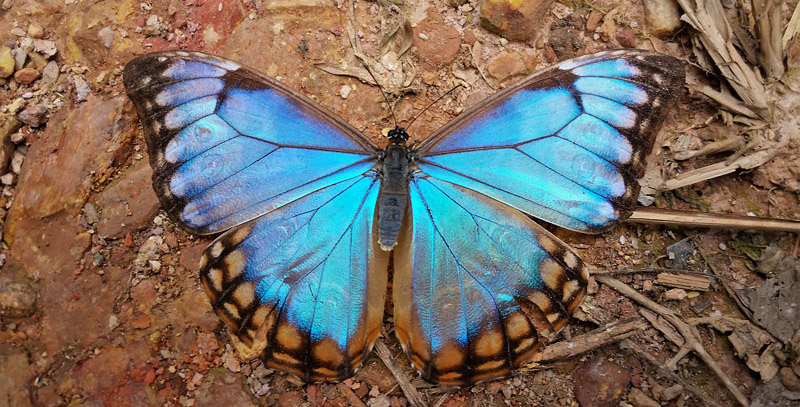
792 28
411 393
689 333
716 37
658 216
768 25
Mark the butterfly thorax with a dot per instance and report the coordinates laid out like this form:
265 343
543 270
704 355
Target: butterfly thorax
393 195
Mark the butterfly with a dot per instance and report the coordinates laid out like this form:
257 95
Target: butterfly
309 209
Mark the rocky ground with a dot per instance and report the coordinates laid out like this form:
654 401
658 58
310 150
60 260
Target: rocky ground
100 302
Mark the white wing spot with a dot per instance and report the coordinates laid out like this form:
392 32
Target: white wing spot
658 79
146 80
162 59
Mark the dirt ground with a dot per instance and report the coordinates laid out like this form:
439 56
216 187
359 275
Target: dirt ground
100 299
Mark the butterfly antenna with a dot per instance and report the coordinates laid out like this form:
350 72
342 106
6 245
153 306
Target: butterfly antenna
431 104
386 98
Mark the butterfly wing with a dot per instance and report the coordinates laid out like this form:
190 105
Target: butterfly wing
308 277
228 144
298 274
477 284
565 145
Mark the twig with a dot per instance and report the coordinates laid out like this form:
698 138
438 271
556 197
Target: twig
658 216
610 333
411 393
707 401
352 398
689 333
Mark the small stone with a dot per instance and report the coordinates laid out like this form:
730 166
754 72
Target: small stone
34 116
17 299
45 47
20 56
626 37
82 89
26 75
107 35
19 32
7 179
6 62
505 66
27 95
663 17
722 246
50 72
91 213
423 36
608 29
514 20
113 322
98 260
344 92
676 294
141 322
639 399
789 379
35 30
672 392
593 21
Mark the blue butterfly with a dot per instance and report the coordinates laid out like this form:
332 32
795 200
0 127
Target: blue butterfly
311 208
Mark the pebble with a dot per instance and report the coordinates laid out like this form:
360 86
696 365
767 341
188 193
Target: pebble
113 322
639 399
344 92
26 75
7 179
20 56
82 89
16 162
45 47
98 260
91 213
676 294
35 30
35 115
19 32
6 62
50 72
673 392
27 95
423 36
107 35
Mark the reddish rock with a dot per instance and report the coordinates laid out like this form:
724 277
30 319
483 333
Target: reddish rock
26 75
16 374
593 21
375 373
600 383
626 37
144 296
224 388
103 380
17 297
141 322
217 19
34 116
128 204
442 44
514 19
89 141
505 66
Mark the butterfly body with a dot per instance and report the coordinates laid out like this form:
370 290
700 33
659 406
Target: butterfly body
394 166
308 207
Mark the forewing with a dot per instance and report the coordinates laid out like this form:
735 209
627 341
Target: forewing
307 278
565 145
477 284
228 144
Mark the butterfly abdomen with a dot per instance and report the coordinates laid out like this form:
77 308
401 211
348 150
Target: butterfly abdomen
393 196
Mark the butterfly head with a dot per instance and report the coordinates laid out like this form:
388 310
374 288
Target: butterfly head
397 135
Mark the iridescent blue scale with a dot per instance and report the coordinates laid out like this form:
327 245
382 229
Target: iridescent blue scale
299 273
